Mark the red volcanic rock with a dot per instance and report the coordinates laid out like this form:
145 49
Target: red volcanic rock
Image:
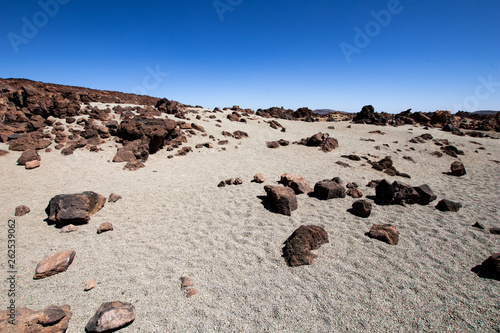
198 127
283 199
239 135
329 144
106 226
28 155
457 169
259 178
154 131
355 192
113 197
22 210
132 151
329 189
385 232
90 285
111 316
32 164
74 208
53 319
68 228
296 182
273 144
171 107
235 116
29 141
298 247
134 165
3 152
54 263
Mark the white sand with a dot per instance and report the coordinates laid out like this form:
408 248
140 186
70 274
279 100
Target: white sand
173 220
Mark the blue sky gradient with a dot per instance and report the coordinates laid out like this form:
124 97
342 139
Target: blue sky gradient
425 55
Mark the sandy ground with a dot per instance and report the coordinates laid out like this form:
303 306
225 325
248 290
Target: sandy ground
173 220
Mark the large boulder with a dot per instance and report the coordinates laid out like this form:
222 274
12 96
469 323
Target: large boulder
296 182
53 319
76 208
396 193
329 189
155 131
283 199
54 263
297 249
111 316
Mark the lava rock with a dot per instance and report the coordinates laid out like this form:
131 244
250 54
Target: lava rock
297 249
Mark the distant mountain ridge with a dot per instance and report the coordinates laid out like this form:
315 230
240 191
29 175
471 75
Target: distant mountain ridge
485 112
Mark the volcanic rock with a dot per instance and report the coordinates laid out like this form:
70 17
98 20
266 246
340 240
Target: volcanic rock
90 285
32 164
22 210
259 178
490 268
329 189
113 197
396 193
273 144
425 193
329 144
297 249
106 226
111 316
355 192
457 169
134 165
53 319
283 199
153 131
385 232
296 182
54 263
446 205
29 141
28 155
68 228
74 208
362 208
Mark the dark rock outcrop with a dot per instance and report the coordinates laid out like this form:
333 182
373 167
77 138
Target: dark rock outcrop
425 193
396 193
446 205
74 208
490 268
297 249
385 232
362 208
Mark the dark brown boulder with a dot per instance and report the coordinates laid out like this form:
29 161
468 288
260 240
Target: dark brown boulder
53 319
273 144
457 169
54 263
385 232
170 107
446 205
362 208
134 166
296 182
396 193
22 210
329 189
28 155
132 151
283 199
298 247
329 144
315 140
154 131
29 141
111 316
490 268
425 193
74 208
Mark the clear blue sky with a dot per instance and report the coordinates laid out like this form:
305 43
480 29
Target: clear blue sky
420 54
